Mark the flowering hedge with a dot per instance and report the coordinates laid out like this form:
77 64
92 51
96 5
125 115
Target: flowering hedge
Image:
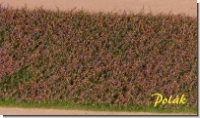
100 58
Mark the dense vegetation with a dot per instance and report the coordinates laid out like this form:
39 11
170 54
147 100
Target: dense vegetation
108 59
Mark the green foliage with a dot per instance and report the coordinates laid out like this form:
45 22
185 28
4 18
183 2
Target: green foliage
107 59
18 77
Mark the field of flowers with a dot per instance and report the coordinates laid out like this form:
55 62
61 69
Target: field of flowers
110 59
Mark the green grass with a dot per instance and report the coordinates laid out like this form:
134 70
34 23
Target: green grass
94 107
